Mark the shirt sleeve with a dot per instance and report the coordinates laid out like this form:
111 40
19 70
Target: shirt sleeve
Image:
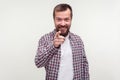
85 72
45 52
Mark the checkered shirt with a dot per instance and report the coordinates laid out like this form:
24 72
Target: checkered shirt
49 57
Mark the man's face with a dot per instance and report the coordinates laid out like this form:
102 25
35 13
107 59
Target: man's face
62 21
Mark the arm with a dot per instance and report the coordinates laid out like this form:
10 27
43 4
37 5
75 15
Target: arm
85 70
45 52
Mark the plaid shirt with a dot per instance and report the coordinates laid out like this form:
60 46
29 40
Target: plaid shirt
49 57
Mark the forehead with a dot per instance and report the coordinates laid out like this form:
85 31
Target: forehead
63 14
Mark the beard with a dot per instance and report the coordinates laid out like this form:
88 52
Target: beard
64 29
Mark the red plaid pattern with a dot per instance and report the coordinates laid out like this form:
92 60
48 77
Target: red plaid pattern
49 57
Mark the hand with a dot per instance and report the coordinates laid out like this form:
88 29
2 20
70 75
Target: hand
58 39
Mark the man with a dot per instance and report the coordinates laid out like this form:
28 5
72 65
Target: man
62 52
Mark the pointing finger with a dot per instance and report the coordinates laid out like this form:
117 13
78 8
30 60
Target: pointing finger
57 34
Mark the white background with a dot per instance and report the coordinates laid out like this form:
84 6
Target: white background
23 22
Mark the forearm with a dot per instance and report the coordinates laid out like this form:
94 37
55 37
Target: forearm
44 54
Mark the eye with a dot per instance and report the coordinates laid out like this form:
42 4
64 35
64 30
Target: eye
58 19
67 19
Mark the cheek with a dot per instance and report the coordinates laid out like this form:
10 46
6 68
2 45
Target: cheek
68 23
56 23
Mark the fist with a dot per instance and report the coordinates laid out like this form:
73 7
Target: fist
58 39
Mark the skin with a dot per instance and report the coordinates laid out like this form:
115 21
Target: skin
62 21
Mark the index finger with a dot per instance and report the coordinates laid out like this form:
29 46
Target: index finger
57 34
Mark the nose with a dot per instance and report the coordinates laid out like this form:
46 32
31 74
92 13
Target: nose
63 23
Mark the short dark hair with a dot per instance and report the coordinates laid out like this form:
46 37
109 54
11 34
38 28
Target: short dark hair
62 7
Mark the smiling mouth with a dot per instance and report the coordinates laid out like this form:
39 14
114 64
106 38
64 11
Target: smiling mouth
62 29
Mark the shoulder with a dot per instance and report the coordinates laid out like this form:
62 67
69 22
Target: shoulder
75 37
47 36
